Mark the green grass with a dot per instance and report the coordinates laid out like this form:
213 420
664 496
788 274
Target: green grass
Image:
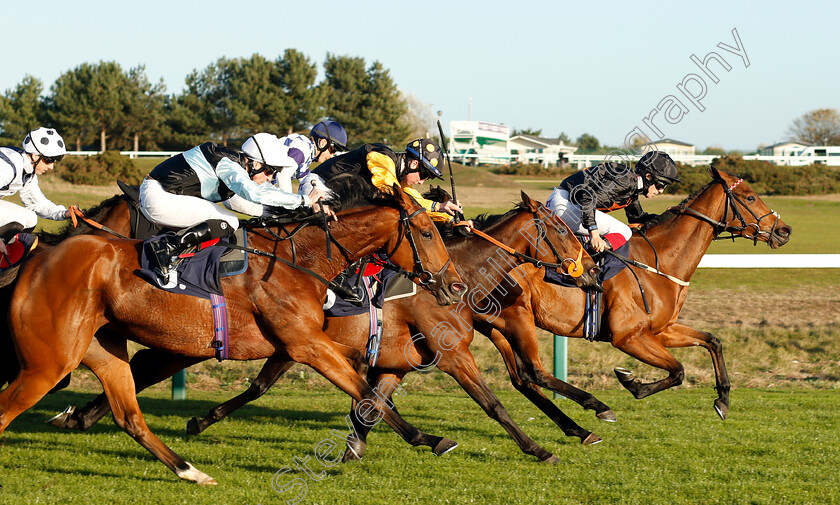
777 447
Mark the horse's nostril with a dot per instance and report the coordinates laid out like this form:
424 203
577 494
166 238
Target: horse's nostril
784 231
595 270
457 287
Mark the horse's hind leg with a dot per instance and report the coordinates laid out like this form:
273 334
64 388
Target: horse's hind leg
272 370
148 367
650 350
26 390
108 359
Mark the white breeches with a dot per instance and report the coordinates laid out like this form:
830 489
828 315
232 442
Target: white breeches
569 212
13 213
179 211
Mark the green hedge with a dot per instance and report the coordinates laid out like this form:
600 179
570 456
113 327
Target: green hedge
764 178
99 170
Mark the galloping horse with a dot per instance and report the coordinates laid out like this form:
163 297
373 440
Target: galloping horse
674 242
523 229
78 303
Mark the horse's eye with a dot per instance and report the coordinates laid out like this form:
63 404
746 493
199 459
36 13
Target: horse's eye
427 235
751 198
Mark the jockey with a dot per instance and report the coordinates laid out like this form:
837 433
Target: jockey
181 192
324 140
19 171
583 198
383 168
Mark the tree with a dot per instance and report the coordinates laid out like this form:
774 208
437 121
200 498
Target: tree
714 150
818 127
21 111
527 131
365 101
305 102
588 143
143 107
564 139
421 120
88 100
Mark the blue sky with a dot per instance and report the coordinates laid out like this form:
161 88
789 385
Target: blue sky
583 67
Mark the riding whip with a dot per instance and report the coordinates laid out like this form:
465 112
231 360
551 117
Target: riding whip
458 215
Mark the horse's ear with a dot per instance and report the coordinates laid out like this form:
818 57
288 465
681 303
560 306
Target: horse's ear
403 199
530 202
714 172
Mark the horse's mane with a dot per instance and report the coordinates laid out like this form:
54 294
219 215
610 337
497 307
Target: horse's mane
66 230
675 210
351 191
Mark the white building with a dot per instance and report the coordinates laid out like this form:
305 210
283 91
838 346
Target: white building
533 149
673 148
782 149
474 142
798 154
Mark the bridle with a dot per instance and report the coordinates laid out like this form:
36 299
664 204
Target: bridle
424 277
732 205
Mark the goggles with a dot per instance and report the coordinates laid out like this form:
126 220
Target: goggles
52 159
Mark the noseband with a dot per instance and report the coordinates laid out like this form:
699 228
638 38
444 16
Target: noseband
747 230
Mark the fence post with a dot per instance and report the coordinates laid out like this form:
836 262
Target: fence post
560 359
179 385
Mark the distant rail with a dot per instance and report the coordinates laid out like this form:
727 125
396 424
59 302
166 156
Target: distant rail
770 261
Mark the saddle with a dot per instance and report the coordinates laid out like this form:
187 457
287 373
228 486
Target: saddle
233 261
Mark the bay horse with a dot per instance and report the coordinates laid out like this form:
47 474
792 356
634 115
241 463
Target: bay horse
78 303
404 319
674 242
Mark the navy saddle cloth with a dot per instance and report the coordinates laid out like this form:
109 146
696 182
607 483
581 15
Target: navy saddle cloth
198 275
343 308
610 267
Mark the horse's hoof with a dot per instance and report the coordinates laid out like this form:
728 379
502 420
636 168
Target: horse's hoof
592 439
553 460
607 415
209 481
350 456
444 446
193 426
60 420
623 373
721 408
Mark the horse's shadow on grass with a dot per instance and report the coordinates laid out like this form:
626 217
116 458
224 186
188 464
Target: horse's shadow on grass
34 419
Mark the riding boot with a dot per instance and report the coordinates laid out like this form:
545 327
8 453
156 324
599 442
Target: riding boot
347 292
168 249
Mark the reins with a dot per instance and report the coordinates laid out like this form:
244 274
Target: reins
76 213
573 269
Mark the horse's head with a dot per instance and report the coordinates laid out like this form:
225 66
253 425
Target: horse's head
418 248
550 240
746 215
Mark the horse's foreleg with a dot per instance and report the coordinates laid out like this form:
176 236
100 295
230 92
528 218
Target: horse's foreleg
680 335
108 360
321 354
272 370
148 367
525 361
533 393
384 384
460 364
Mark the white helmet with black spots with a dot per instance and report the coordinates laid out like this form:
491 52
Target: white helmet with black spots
268 150
45 142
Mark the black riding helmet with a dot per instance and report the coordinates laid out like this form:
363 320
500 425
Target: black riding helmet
332 132
428 154
660 166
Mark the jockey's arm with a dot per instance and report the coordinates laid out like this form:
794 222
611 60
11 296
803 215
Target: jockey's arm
238 181
384 174
33 199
